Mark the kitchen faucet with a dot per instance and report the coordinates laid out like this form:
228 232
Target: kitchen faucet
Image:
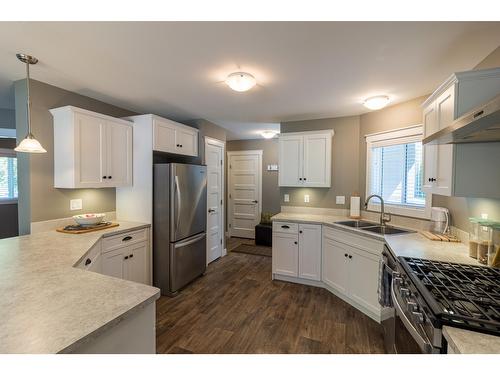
384 218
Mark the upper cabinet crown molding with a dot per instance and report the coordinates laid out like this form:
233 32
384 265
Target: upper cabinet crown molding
91 150
305 159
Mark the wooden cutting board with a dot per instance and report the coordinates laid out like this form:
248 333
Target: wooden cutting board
87 230
439 237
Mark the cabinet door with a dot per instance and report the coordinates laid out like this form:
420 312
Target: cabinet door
119 154
90 151
164 134
335 262
430 167
444 170
113 263
285 254
290 160
317 160
136 264
445 108
310 251
430 120
363 278
187 142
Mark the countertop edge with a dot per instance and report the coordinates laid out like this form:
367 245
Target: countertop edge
477 337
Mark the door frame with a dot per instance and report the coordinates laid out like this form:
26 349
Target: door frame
229 184
221 144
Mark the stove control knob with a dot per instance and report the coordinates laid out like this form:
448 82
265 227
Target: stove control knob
412 306
418 317
404 292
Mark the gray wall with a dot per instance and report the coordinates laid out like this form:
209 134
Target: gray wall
7 118
38 199
345 162
270 189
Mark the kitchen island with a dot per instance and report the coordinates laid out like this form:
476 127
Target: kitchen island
49 306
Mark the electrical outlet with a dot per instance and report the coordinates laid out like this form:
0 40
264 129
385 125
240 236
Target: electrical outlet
75 204
484 216
340 199
306 198
286 198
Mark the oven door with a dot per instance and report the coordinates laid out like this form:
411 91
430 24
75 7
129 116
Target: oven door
409 337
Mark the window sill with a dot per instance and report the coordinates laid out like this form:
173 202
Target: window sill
8 201
413 212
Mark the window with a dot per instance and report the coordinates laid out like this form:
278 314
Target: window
395 171
8 176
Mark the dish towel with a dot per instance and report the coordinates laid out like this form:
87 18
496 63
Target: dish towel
384 283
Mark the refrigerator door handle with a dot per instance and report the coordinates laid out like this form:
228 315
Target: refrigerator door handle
178 195
192 240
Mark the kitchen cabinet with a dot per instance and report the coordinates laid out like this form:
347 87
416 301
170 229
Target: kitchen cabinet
127 262
91 150
335 264
297 250
305 159
170 136
455 97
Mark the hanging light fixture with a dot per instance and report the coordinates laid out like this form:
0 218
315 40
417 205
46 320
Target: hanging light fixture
29 143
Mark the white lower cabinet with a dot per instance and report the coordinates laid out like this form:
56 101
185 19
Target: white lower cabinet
310 251
335 263
285 254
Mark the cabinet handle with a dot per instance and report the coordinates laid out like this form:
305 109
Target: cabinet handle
478 114
131 255
350 256
295 242
300 231
305 178
300 178
128 238
110 177
181 145
104 177
345 255
285 227
126 257
87 261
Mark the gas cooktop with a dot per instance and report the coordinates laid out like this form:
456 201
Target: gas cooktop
459 295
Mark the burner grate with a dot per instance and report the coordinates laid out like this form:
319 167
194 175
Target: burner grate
462 294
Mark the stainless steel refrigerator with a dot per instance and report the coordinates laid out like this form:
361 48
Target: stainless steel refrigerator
179 225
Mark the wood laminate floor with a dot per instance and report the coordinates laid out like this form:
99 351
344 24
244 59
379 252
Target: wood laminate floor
237 308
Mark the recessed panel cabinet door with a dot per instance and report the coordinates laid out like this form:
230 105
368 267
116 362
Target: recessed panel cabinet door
136 264
317 160
164 137
363 278
113 263
335 265
187 142
290 160
90 151
119 156
285 254
310 251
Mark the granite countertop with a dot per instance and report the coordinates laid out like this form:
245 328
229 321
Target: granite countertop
47 305
469 342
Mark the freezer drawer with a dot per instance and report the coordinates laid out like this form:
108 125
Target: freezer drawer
188 260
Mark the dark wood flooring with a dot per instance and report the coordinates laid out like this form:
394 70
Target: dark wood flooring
237 308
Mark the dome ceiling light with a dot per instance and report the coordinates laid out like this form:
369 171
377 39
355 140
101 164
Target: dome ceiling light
240 81
376 102
268 134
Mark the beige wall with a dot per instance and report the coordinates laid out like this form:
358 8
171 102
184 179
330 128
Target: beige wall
270 189
38 199
345 162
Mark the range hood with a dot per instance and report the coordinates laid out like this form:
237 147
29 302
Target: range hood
482 124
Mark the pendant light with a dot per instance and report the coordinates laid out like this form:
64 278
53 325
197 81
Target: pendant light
29 143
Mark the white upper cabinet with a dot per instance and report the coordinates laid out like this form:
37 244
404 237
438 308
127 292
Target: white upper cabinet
91 150
455 97
173 137
305 159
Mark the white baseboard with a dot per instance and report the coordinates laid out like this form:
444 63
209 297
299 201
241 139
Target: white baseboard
48 225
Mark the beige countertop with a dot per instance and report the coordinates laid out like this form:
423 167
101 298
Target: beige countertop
468 342
47 305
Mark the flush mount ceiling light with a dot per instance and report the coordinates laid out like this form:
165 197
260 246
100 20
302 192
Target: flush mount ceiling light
29 143
240 81
376 102
268 134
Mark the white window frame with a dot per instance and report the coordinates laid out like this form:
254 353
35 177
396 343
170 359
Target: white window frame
393 137
6 152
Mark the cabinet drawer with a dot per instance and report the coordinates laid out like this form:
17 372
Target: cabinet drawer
283 227
371 245
124 239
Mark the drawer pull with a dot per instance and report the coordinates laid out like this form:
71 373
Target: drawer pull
131 256
285 227
126 257
87 261
345 255
128 238
295 242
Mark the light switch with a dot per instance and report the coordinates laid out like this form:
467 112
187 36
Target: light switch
75 204
340 199
286 198
306 198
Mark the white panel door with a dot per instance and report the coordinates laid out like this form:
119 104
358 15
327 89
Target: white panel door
245 171
310 251
363 274
335 265
187 142
119 154
214 152
91 150
285 259
317 160
136 263
290 160
164 136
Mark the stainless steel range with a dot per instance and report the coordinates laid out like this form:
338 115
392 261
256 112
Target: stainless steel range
428 294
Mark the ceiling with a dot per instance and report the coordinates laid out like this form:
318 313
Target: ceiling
304 70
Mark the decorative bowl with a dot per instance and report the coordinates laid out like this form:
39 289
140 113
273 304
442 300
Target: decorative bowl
89 219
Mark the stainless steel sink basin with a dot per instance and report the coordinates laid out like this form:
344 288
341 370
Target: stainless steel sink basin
356 223
386 230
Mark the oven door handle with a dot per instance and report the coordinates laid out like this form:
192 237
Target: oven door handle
423 344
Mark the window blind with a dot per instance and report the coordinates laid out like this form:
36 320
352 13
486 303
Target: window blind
8 178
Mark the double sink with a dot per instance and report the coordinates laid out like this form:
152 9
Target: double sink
368 226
